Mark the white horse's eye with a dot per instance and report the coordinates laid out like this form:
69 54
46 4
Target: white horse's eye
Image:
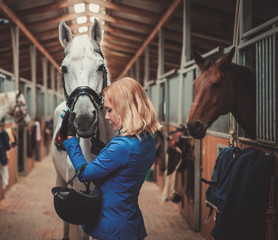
64 69
100 68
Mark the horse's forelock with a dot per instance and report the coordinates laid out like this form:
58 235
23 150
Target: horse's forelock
81 46
207 64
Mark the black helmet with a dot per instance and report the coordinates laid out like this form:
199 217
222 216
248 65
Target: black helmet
76 207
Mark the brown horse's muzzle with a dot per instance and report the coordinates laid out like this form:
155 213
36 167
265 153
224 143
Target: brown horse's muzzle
196 129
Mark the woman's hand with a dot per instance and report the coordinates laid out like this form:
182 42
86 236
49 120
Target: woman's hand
68 129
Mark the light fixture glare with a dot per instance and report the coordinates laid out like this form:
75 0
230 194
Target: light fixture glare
79 7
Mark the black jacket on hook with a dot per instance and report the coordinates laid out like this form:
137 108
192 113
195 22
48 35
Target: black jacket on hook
4 146
243 195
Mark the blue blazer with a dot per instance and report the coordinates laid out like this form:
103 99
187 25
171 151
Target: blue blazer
120 169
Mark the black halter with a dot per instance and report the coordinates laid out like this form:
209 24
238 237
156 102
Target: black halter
85 90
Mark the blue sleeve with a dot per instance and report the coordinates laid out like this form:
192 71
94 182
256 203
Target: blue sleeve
75 153
114 156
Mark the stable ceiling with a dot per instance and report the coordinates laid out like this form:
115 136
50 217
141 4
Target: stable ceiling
127 25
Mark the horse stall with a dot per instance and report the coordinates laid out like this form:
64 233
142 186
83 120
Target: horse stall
172 95
24 150
257 51
7 84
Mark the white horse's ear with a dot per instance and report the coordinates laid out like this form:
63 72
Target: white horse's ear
65 35
96 32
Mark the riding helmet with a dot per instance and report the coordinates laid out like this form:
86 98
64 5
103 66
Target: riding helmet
76 207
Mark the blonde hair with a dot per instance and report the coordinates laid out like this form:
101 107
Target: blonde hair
132 106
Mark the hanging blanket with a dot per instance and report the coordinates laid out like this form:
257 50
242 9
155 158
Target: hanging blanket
243 194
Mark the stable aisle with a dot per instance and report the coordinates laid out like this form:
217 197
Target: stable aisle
27 212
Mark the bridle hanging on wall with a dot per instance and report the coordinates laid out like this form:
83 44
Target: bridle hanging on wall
17 111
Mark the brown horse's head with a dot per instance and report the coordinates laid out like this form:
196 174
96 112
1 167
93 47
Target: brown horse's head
214 93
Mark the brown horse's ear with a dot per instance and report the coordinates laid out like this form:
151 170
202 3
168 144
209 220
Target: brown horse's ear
198 59
226 60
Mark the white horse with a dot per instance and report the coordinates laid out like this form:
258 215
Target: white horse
14 104
84 75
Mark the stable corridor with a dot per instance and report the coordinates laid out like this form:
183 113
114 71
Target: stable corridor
27 211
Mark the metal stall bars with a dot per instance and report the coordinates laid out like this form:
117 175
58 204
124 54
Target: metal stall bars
264 39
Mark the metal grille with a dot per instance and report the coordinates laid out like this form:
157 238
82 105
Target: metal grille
266 80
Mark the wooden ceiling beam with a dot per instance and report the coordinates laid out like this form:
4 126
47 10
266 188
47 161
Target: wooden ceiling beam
55 20
169 46
27 33
105 4
115 60
121 41
52 32
42 9
127 34
168 55
133 24
171 64
114 46
108 54
52 42
56 48
168 14
211 38
127 9
221 6
105 17
6 49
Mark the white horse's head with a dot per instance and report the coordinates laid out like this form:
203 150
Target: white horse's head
84 76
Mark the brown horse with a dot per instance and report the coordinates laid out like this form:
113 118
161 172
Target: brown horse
222 87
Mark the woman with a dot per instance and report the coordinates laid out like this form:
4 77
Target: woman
121 167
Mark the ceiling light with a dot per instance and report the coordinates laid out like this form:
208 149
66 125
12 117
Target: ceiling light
92 19
81 20
83 29
79 7
94 7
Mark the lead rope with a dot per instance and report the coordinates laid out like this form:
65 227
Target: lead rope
77 173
